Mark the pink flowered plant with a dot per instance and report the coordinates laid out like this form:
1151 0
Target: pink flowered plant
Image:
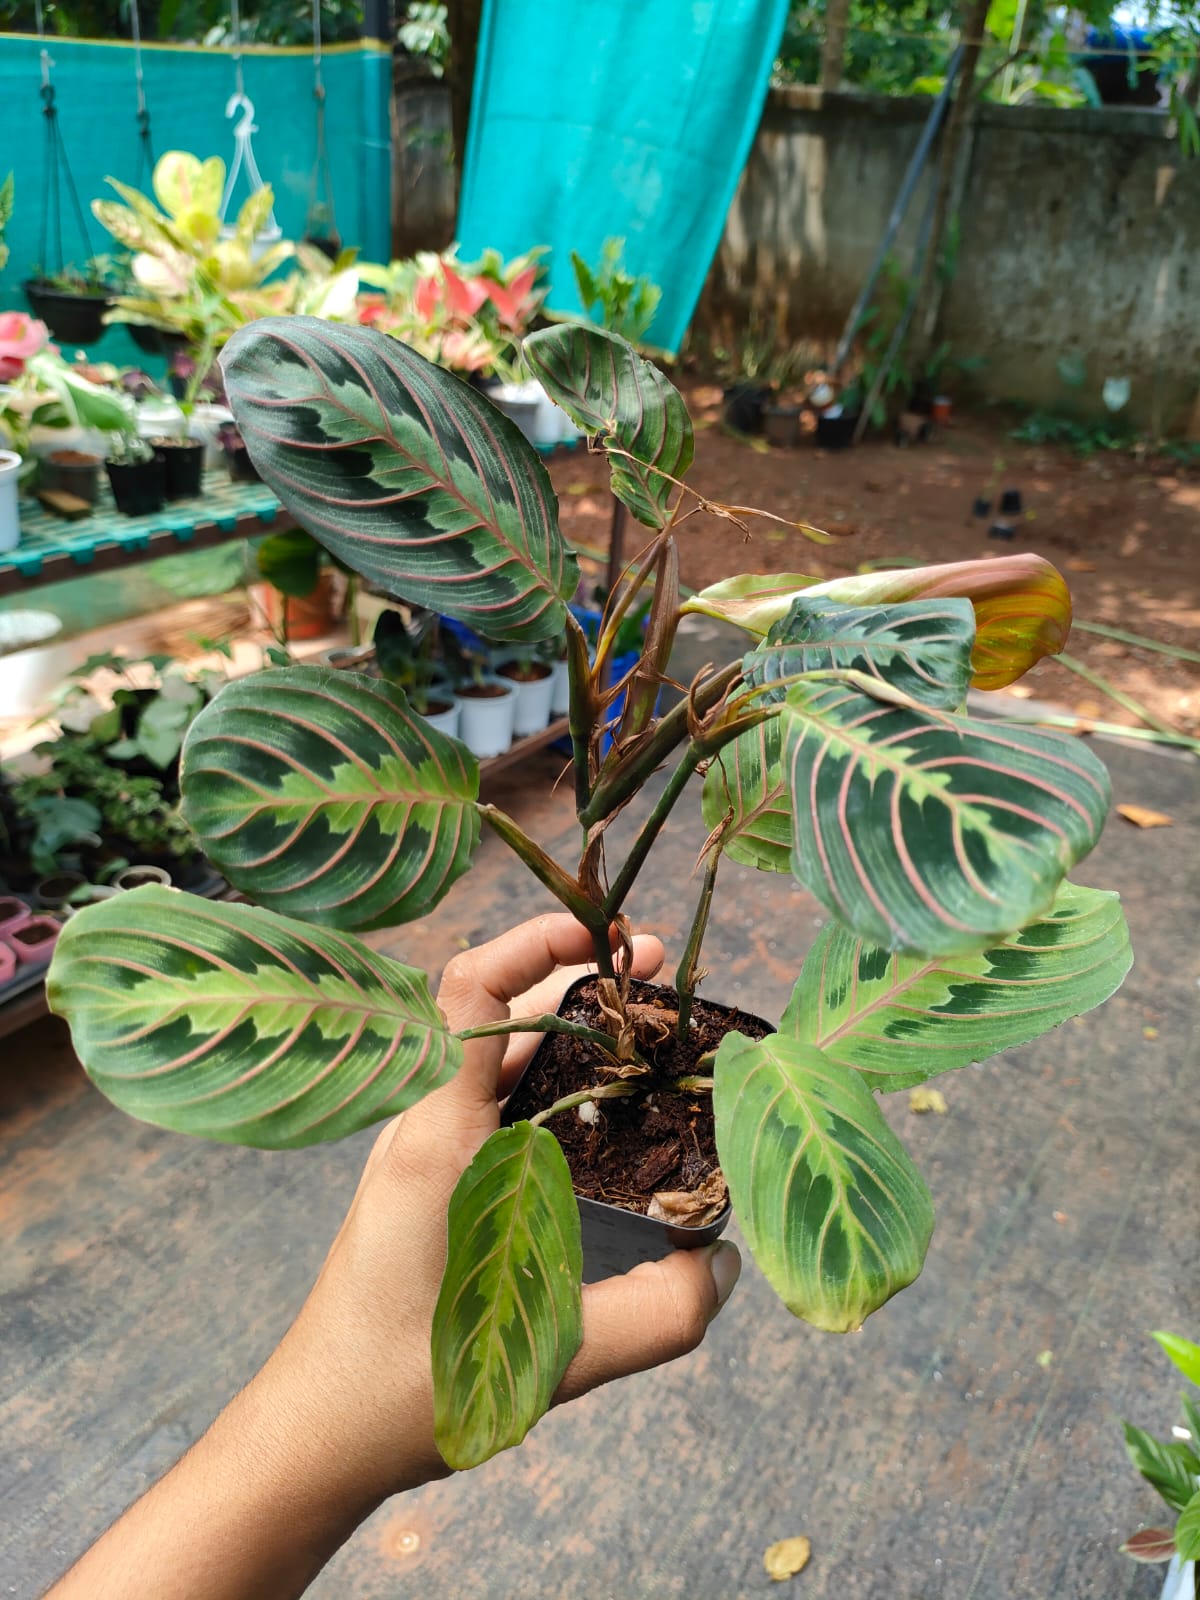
21 336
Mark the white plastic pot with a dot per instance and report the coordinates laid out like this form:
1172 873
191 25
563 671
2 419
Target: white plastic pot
485 723
533 699
443 721
10 511
560 693
204 425
1180 1583
161 418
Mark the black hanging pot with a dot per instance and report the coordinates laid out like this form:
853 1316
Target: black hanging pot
157 341
73 317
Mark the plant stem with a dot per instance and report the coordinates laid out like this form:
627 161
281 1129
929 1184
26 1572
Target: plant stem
1138 639
632 771
562 887
689 966
1110 689
692 1085
599 1091
652 827
625 599
542 1024
581 716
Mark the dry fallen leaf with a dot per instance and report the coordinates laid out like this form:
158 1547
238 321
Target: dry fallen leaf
1143 817
787 1558
1076 564
1088 708
694 1209
1149 1033
922 1100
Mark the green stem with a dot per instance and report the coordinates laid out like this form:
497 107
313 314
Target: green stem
1113 693
542 1024
652 827
690 1085
612 622
1138 639
685 976
562 887
632 772
600 1091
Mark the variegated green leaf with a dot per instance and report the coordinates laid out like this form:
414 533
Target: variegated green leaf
509 1315
326 796
1022 605
1183 1354
833 1209
1187 1530
606 389
403 472
930 833
1172 1468
236 1024
922 648
902 1019
746 791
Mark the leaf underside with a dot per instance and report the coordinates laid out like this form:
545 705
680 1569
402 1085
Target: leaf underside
607 389
403 472
930 833
324 795
509 1314
835 1213
900 1020
236 1024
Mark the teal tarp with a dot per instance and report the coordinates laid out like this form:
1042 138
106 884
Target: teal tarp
634 118
187 89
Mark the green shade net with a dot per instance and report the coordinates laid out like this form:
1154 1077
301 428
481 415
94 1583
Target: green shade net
615 117
186 90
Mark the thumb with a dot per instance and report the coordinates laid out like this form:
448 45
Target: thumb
653 1314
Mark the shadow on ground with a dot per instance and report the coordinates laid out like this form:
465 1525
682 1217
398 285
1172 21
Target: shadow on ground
963 1446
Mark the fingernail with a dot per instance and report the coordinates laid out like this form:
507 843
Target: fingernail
725 1264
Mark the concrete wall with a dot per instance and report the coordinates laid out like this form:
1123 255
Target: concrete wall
1080 236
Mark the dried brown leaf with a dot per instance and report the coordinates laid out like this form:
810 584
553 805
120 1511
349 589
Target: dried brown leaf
1143 817
787 1557
692 1210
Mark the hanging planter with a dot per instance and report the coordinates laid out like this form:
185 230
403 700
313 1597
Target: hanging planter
74 316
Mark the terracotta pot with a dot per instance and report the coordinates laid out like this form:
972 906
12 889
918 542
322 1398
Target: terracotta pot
310 617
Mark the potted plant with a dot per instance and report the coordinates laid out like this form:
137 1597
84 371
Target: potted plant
404 654
1172 1468
832 747
534 680
74 472
137 475
183 465
72 303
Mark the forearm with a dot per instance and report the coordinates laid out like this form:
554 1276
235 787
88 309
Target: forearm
255 1508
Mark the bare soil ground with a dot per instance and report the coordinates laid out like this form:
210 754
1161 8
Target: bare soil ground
1126 534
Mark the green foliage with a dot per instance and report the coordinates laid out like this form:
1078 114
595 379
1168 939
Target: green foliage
196 21
835 749
613 298
424 33
1172 1468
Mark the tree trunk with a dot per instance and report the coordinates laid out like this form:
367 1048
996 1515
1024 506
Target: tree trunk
949 184
833 49
462 19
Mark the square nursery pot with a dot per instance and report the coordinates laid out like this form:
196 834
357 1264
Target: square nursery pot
33 942
13 911
614 1239
184 463
139 487
71 472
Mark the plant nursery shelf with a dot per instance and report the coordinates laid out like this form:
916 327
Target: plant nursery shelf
52 550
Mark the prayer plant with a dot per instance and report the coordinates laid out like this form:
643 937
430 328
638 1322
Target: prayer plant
836 748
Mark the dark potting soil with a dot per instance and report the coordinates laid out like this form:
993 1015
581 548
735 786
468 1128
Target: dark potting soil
656 1140
482 691
522 672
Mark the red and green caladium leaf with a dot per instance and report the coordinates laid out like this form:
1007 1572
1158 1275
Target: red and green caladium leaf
324 795
233 1023
833 1209
1022 605
606 389
404 473
899 1020
928 833
923 648
509 1315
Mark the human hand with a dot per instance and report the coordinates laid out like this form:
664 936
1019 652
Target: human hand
356 1364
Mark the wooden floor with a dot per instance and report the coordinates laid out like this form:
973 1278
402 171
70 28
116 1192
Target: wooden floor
964 1446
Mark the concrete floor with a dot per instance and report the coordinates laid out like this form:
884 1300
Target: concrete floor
964 1446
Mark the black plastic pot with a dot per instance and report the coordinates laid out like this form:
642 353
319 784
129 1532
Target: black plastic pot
72 318
745 404
1002 530
836 432
782 426
982 507
71 472
615 1240
184 459
138 487
237 459
1010 503
328 244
